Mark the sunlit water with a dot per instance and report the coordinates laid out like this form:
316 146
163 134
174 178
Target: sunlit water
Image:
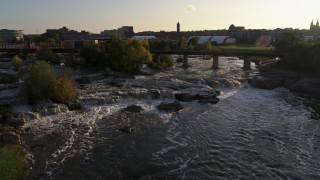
249 134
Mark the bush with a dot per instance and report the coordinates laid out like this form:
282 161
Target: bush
107 71
41 84
64 89
48 56
165 62
94 56
16 61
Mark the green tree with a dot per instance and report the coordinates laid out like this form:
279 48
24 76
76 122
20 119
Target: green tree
287 40
16 61
39 82
207 47
193 41
182 43
94 56
128 55
49 56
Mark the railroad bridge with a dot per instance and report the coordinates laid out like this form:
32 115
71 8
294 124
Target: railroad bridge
246 56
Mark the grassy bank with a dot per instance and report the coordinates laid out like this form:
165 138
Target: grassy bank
246 48
13 164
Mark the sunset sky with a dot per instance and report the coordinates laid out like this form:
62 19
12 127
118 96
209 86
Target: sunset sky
34 16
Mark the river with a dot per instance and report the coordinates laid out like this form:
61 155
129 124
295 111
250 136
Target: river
250 134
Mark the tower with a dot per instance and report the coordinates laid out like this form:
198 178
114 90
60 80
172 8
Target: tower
317 25
311 25
178 28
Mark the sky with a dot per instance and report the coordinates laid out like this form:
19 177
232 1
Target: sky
35 16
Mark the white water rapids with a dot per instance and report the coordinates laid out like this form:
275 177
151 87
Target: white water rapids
250 134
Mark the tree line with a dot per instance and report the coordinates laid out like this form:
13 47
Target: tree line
298 55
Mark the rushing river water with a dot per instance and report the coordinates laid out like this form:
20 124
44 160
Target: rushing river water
250 134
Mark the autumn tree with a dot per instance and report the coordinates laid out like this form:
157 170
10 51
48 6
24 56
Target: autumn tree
128 55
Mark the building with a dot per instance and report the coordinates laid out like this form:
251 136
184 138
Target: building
314 27
126 31
314 32
123 32
143 37
215 39
11 35
65 33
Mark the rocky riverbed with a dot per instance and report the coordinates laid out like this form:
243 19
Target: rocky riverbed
272 78
176 123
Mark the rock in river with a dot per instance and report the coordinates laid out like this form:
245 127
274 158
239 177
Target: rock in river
15 122
11 137
134 108
175 106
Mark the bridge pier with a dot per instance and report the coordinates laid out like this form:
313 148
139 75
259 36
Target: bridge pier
247 63
185 61
215 62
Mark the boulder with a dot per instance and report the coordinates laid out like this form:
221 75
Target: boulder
15 122
210 100
175 106
155 94
127 129
11 137
191 96
134 108
73 106
267 83
185 97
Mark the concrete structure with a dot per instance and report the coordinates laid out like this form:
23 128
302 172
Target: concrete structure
215 56
7 35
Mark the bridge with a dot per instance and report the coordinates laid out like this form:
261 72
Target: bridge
246 55
215 56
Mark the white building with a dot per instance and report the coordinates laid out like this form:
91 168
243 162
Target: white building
143 37
215 39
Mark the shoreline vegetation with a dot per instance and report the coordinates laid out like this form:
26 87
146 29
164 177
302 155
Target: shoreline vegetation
297 70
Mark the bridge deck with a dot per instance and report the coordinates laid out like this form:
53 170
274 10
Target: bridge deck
221 53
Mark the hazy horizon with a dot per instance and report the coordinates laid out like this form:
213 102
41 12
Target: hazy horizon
36 16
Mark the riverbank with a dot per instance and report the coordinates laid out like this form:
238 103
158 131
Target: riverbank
272 77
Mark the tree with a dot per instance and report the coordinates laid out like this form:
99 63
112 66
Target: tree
39 82
16 61
182 43
193 41
49 56
287 40
94 56
128 55
207 47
